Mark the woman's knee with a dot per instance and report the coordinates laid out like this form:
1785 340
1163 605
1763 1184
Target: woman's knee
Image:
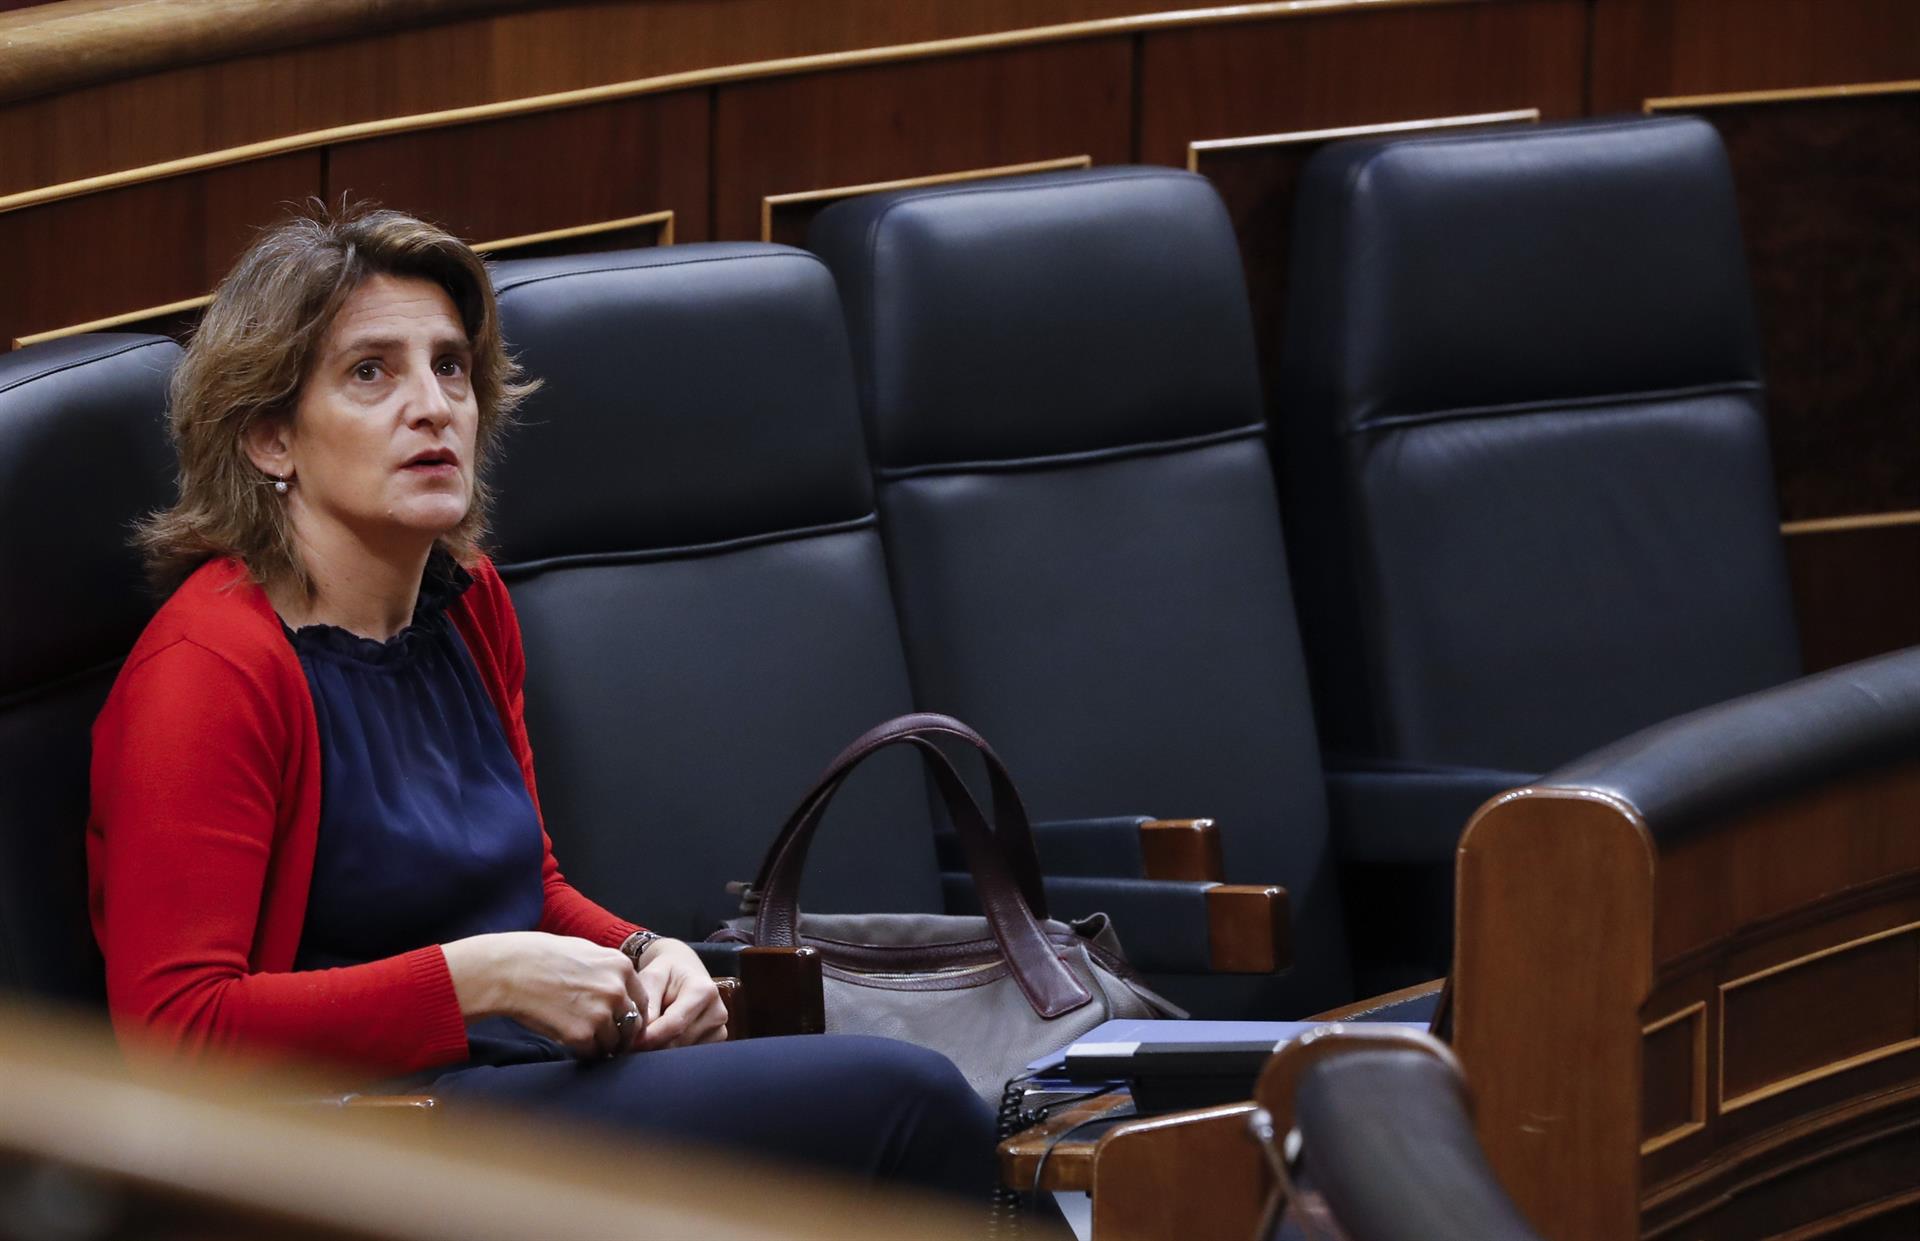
909 1069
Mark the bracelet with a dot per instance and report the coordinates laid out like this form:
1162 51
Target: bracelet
636 944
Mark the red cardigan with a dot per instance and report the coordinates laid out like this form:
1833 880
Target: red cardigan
200 845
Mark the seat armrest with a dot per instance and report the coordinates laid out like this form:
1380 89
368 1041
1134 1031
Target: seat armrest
1169 926
1405 813
1123 846
785 980
779 993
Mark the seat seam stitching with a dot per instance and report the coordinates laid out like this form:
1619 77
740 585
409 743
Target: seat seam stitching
67 366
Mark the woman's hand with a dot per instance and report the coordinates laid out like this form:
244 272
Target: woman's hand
570 990
682 1007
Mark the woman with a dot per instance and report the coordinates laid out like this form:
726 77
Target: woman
318 741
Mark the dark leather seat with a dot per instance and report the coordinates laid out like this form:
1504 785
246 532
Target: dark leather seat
1529 498
1065 417
687 527
83 453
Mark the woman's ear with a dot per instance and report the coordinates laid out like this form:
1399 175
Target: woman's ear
269 446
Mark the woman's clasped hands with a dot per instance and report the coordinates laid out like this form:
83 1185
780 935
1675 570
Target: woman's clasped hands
581 995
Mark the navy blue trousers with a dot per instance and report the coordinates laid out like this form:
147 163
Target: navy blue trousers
875 1107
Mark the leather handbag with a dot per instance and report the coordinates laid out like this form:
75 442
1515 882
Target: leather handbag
991 992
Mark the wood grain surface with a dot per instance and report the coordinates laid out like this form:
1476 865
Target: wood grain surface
890 122
493 180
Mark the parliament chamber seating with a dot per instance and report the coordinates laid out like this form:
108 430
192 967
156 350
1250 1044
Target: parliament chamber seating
1525 461
83 454
1684 980
686 522
1065 414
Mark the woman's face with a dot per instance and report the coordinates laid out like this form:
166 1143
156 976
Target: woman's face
381 445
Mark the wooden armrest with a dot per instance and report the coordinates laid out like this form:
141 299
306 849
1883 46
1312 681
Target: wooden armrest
1248 929
1184 849
1051 1155
1186 1174
778 993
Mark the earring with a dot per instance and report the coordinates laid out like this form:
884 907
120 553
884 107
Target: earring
280 486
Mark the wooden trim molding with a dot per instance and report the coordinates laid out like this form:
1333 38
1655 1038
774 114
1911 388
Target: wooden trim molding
771 202
1861 521
782 66
1769 1089
1696 1013
76 43
1202 146
663 220
114 321
1675 103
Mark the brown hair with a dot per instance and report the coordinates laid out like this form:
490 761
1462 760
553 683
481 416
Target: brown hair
250 355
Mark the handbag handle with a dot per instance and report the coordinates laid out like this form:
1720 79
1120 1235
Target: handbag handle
1010 820
1049 987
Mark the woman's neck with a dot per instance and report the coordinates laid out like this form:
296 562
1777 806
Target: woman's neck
363 590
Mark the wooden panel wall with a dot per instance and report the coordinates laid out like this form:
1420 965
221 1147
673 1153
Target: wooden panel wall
1357 68
1830 190
857 126
85 258
544 172
474 61
689 108
1648 48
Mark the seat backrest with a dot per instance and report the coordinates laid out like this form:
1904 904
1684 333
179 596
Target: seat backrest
687 526
83 454
1530 502
1064 411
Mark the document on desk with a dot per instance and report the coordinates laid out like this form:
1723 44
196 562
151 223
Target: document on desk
1130 1049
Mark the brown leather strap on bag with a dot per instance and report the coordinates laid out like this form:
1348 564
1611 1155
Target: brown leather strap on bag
1049 987
1010 820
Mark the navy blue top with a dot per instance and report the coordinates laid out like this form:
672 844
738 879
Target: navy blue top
427 832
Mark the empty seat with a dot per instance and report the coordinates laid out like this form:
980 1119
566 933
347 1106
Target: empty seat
1525 461
83 454
1065 418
